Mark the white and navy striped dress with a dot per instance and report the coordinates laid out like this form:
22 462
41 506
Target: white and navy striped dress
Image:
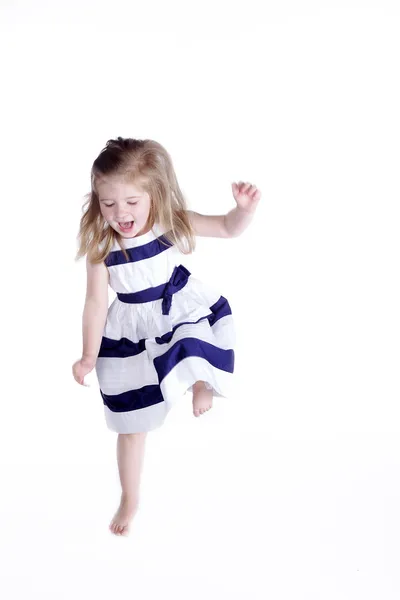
165 330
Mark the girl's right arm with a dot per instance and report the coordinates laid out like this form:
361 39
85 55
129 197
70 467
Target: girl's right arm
95 310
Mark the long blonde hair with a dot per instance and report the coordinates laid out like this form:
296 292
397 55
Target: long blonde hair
138 161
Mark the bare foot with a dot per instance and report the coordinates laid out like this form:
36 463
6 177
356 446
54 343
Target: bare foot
202 399
122 518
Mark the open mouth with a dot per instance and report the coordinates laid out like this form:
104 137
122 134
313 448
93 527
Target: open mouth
127 226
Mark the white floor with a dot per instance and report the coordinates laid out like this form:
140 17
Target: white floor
243 517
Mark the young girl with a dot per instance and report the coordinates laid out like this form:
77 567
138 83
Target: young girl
166 332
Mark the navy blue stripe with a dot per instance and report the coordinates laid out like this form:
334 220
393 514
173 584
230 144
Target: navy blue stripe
147 295
166 338
121 348
133 399
117 257
178 280
218 358
218 310
124 347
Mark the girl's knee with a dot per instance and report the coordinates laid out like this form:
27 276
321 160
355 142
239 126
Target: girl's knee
202 386
198 385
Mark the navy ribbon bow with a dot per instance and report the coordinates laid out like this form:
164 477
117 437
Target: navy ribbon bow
178 280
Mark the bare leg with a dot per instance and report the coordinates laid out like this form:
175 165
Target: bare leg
202 398
130 454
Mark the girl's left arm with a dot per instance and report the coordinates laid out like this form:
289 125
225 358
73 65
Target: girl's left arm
235 221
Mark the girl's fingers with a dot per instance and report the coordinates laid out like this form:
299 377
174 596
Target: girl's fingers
242 186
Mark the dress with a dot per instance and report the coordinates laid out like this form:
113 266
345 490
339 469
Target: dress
164 331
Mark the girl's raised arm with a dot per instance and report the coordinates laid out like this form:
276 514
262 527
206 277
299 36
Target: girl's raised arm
208 225
235 221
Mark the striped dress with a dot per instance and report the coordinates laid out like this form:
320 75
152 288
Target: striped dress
164 331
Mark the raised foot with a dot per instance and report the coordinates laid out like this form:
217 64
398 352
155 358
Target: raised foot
202 399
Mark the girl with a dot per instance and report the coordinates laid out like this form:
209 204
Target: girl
166 332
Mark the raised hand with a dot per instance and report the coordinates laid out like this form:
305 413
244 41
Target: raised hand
246 195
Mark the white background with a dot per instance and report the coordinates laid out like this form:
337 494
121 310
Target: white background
290 489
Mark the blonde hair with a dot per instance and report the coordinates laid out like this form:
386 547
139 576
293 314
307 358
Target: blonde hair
148 164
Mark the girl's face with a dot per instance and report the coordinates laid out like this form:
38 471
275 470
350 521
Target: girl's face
124 203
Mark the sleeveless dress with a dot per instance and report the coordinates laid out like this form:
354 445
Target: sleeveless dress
164 331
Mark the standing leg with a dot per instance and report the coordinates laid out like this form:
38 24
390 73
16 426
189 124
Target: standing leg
202 398
130 454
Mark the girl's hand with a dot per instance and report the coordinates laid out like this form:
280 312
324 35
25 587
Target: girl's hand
80 368
246 195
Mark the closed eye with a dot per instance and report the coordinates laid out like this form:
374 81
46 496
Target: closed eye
132 203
